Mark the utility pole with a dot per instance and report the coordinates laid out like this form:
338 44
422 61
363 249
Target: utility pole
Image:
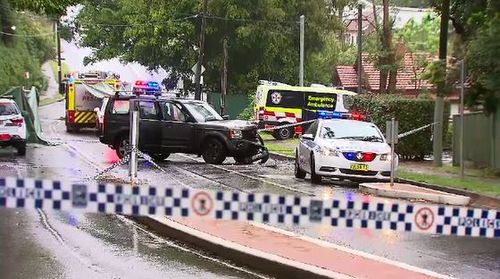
462 84
301 66
437 137
201 52
224 79
360 47
59 73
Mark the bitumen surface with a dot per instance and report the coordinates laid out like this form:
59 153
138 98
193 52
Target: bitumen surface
38 244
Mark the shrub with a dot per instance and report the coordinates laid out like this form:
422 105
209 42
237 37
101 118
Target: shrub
410 113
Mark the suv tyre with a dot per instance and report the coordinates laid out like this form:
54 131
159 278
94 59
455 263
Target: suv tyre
122 146
214 152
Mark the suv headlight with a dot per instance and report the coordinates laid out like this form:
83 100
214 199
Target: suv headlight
235 134
329 152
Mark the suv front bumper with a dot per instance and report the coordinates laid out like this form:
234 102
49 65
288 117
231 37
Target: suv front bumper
246 148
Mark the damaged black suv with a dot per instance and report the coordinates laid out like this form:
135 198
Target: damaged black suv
180 126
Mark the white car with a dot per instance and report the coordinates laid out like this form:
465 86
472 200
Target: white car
344 149
12 126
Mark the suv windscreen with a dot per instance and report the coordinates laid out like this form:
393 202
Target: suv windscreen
8 109
120 107
202 112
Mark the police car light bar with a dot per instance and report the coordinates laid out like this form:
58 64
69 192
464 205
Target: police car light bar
325 114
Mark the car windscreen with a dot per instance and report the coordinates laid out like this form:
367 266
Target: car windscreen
361 131
8 109
202 112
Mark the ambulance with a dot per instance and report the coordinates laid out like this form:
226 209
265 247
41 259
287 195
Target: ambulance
279 104
81 102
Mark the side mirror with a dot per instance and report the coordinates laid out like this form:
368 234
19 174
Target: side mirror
307 137
225 117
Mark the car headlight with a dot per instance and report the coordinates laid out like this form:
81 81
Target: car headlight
329 152
385 157
235 134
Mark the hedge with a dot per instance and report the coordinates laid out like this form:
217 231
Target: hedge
411 113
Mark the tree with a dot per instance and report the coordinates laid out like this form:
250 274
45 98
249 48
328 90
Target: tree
483 68
263 37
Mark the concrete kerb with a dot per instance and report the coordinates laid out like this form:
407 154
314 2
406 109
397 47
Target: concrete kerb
266 263
407 191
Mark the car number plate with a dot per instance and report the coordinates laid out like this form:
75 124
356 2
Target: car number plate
359 167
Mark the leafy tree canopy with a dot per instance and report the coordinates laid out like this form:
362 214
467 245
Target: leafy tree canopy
263 37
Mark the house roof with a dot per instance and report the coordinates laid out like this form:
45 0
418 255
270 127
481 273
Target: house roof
347 75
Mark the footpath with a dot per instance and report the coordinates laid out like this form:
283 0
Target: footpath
280 253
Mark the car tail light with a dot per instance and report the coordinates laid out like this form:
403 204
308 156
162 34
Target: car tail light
5 137
71 116
15 122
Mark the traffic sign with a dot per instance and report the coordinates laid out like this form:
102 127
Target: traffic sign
202 203
194 68
424 218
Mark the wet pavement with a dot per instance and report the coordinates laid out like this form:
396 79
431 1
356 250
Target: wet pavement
108 246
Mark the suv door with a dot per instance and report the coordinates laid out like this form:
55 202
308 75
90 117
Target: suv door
149 126
177 132
116 119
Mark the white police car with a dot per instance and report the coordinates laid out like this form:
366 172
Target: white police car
12 126
343 148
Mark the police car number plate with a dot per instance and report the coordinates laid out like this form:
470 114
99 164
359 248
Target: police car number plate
359 167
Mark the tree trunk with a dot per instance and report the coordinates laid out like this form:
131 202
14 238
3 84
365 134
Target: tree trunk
437 143
387 57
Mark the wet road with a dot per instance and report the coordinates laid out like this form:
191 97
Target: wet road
105 246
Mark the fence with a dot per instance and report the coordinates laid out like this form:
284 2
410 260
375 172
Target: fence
235 103
481 139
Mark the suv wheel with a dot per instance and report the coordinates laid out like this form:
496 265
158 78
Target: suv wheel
122 146
283 133
21 150
214 152
316 179
299 173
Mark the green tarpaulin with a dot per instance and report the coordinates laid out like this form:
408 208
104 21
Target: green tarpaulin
28 103
100 90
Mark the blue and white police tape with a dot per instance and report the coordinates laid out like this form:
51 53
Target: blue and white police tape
256 207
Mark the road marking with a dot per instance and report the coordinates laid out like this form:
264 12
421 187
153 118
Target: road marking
45 222
252 177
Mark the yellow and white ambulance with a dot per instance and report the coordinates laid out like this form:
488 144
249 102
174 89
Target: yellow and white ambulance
279 104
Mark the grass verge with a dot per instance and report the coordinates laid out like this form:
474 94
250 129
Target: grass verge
473 184
64 68
284 147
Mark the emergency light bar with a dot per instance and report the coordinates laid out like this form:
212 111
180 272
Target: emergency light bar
326 114
147 87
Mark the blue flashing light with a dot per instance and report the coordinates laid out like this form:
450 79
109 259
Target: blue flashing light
351 156
325 114
153 85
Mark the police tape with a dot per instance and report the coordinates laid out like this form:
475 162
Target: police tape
256 207
285 126
416 130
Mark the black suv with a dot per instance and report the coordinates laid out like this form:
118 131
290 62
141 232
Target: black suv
180 126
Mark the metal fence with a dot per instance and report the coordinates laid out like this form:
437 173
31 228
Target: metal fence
481 139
